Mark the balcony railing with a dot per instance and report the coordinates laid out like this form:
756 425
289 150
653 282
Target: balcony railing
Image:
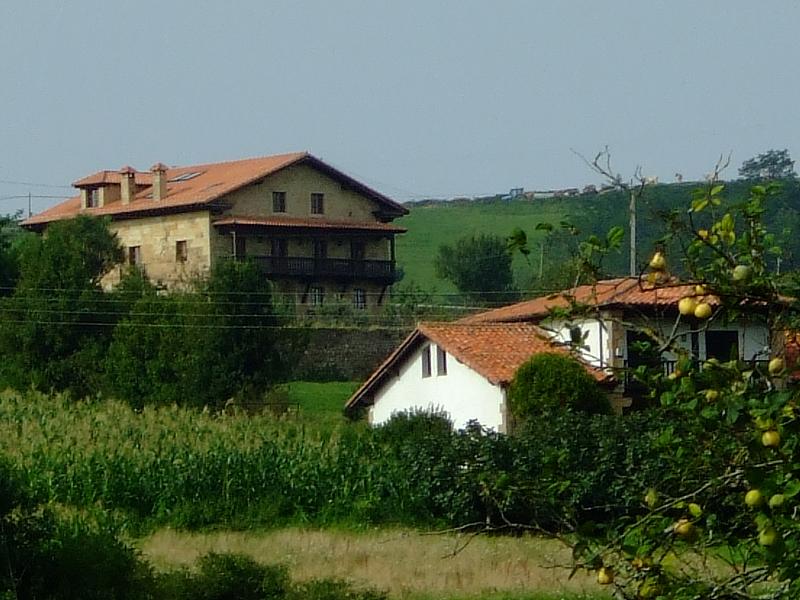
336 268
668 367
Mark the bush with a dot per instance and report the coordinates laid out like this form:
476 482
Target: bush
333 589
552 380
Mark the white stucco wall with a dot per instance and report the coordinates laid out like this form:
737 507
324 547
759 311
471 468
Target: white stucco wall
463 394
595 344
754 337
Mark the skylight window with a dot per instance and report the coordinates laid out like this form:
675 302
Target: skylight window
185 176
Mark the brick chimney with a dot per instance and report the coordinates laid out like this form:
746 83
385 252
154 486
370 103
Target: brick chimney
159 171
127 184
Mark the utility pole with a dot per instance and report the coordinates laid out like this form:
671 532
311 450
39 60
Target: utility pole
632 213
29 205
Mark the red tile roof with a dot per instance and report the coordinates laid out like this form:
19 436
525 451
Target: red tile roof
211 182
104 177
625 291
494 350
310 223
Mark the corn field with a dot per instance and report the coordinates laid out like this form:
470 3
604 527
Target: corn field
188 468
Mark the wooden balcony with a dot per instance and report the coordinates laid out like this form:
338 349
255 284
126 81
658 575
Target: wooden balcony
345 269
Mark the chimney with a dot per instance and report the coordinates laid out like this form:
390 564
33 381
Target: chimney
159 171
127 184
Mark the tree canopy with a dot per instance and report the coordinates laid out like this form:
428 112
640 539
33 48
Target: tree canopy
479 266
772 164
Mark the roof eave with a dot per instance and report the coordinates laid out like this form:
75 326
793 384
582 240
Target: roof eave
377 378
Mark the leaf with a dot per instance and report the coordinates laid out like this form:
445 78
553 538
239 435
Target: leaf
716 190
615 236
792 488
544 227
699 204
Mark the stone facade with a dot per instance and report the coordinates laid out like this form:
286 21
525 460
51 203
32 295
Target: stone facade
157 240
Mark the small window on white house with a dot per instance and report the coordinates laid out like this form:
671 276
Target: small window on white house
441 361
426 361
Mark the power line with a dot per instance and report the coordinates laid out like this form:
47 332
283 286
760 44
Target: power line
35 184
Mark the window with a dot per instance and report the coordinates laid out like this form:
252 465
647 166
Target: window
317 203
135 256
359 299
181 251
279 248
357 250
93 198
239 246
317 296
426 361
186 176
278 202
722 345
320 249
441 361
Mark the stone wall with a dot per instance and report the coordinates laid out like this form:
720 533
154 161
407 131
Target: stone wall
345 354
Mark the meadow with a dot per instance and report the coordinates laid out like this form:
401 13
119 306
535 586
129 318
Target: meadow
405 563
432 225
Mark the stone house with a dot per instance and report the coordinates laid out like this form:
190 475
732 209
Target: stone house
317 233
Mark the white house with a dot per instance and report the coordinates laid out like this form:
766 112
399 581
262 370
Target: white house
460 369
608 318
464 368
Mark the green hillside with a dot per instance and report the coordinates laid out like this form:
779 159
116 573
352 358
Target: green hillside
433 224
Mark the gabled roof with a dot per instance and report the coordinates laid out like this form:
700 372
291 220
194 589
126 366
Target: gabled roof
198 186
609 293
494 350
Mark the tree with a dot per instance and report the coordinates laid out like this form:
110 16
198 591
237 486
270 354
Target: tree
9 255
738 463
554 381
56 326
479 266
772 164
201 347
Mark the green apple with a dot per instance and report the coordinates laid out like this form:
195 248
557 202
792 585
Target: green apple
605 576
771 439
776 366
686 306
703 310
768 536
658 262
777 501
741 273
753 498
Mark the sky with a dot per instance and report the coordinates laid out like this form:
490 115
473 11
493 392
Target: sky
419 98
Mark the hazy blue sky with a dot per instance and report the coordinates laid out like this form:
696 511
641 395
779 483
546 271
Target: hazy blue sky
417 98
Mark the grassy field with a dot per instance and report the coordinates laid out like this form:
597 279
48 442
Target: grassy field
402 562
321 400
433 225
